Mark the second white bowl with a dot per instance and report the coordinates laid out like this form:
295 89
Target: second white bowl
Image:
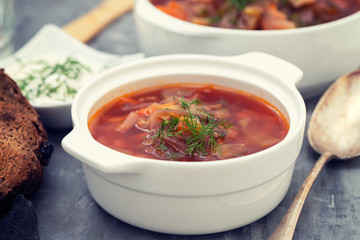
323 52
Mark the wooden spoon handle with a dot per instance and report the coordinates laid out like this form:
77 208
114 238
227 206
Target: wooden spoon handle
287 226
87 26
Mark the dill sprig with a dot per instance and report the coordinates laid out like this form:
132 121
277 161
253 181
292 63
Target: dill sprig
241 4
201 134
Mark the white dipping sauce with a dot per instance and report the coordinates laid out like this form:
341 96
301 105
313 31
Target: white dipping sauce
51 79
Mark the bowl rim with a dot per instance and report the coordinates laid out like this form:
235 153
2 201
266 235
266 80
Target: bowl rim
173 22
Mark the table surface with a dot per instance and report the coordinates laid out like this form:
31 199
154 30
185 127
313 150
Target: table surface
66 209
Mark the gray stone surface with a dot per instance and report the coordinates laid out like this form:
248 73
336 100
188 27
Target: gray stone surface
66 209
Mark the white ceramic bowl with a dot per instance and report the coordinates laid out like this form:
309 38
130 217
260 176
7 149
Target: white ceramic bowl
190 197
324 52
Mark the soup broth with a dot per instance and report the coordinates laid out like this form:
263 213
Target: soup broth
258 14
188 122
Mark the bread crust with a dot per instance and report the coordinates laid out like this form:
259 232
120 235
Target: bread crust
24 146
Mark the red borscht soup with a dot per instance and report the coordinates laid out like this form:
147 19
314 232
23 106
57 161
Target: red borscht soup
188 122
258 14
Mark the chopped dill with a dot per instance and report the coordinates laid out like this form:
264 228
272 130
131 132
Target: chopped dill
200 132
58 81
241 4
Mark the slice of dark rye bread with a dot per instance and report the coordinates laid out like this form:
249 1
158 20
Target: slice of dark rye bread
24 146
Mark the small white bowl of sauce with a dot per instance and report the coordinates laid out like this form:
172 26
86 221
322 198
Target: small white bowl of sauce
50 83
68 64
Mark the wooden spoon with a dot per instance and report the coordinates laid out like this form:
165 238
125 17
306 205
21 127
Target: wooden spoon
334 132
87 26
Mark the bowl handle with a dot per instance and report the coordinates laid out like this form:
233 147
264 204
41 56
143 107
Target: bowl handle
277 67
96 155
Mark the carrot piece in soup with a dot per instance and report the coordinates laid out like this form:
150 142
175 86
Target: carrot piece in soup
149 110
174 9
300 3
251 16
273 19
